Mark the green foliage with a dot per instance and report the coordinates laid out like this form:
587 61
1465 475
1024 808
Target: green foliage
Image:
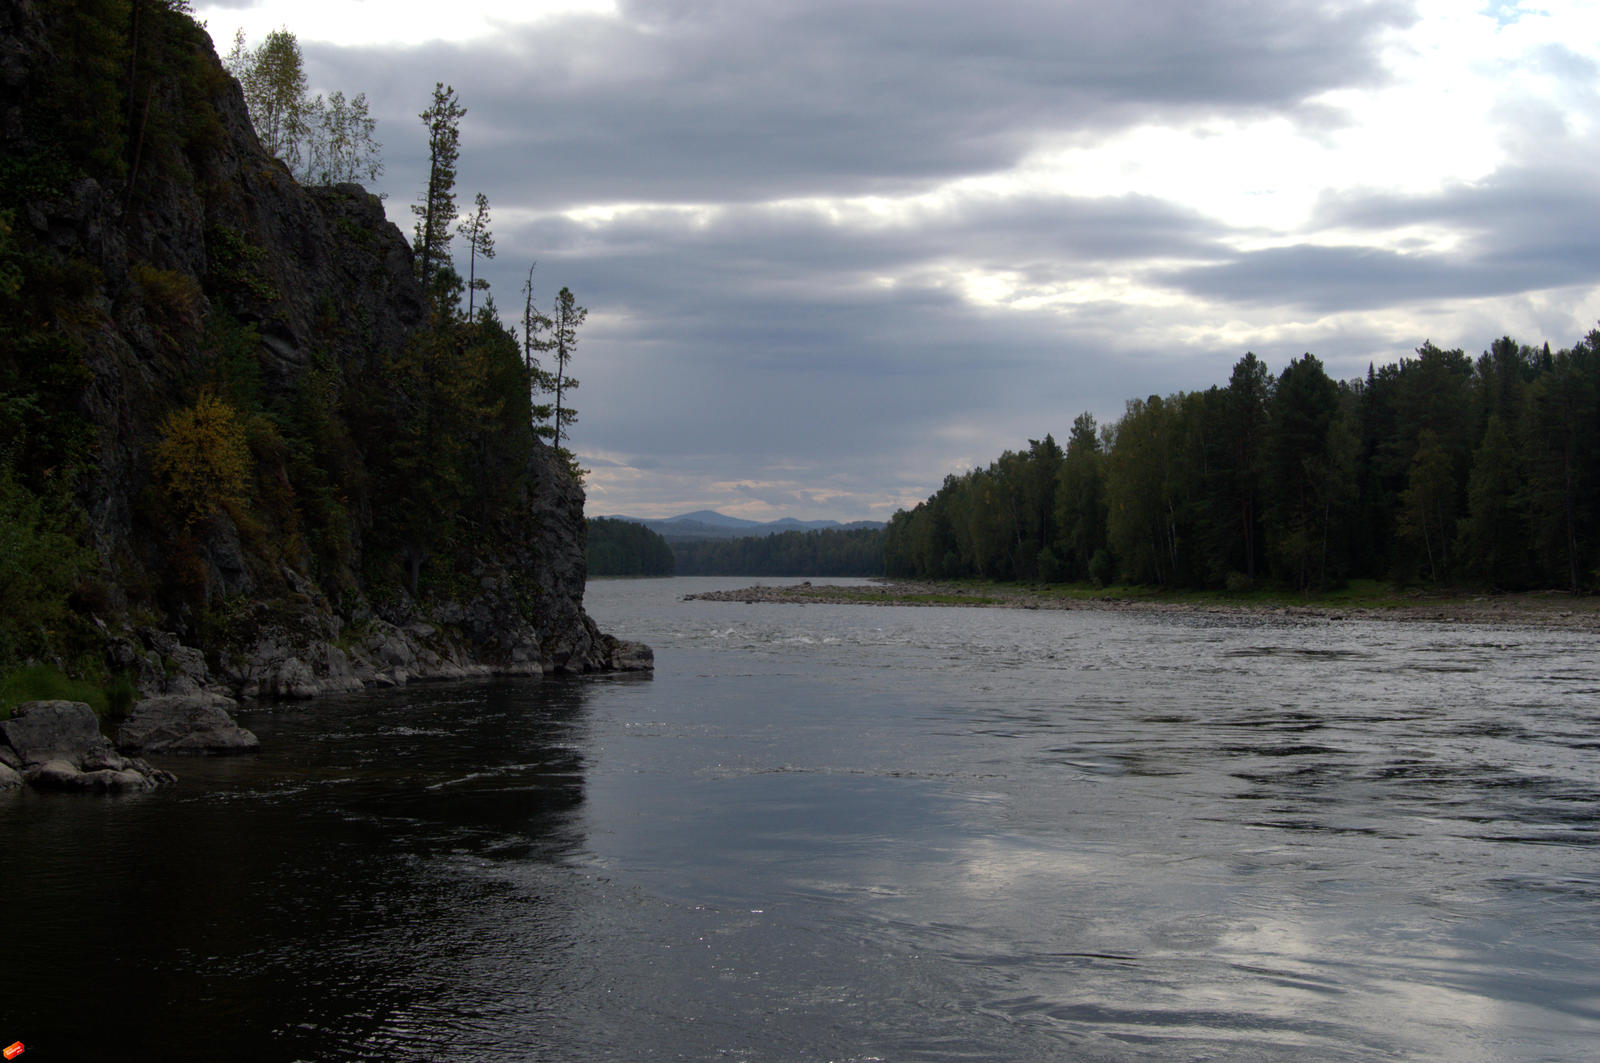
43 682
273 78
1101 568
111 698
117 101
456 455
235 265
342 145
1427 515
480 244
1494 534
1141 490
171 301
536 341
323 140
1301 471
42 374
1080 501
437 211
323 462
202 460
1319 480
41 564
233 359
567 316
624 548
80 112
1563 463
815 552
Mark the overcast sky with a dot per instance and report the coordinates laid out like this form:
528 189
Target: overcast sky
833 250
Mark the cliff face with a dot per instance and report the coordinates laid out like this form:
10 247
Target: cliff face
198 271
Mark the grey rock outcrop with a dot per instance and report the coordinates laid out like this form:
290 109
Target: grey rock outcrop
58 745
630 657
184 724
295 593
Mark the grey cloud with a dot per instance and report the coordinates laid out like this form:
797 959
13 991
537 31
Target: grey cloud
761 332
676 265
756 346
739 100
1522 230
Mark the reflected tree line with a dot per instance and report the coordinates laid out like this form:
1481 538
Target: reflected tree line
1438 468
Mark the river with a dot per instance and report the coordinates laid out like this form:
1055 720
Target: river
857 834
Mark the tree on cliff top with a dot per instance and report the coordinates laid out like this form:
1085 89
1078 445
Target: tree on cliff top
564 341
480 242
322 141
437 211
273 78
535 341
342 145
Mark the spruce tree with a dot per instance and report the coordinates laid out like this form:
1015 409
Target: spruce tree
536 340
564 341
437 210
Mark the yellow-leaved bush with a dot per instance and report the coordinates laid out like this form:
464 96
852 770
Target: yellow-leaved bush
202 461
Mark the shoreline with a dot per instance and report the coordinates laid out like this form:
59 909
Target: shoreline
1540 609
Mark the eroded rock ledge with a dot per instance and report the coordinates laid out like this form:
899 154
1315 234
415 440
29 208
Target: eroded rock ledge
319 657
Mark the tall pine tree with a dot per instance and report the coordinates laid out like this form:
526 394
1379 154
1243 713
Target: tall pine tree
437 212
564 341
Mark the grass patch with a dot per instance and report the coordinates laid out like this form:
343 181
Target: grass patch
41 682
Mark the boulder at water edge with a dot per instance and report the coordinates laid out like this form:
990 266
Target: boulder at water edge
58 745
185 723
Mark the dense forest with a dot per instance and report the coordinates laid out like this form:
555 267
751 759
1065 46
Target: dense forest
820 552
1439 468
624 548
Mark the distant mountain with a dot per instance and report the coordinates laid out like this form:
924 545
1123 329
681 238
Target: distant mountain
711 518
709 524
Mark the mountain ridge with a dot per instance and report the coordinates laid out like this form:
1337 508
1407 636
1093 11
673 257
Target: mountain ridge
710 524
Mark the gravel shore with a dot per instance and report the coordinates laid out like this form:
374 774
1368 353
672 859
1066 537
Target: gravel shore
1540 609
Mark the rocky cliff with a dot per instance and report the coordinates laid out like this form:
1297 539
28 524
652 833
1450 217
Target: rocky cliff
219 367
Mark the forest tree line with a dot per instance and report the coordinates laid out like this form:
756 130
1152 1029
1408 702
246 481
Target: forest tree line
469 387
624 548
1438 468
817 552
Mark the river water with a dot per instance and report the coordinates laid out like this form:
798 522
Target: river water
857 833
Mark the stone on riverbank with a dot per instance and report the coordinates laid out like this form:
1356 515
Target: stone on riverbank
59 746
625 656
185 724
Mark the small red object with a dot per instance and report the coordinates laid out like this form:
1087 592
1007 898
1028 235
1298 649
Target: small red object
13 1050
